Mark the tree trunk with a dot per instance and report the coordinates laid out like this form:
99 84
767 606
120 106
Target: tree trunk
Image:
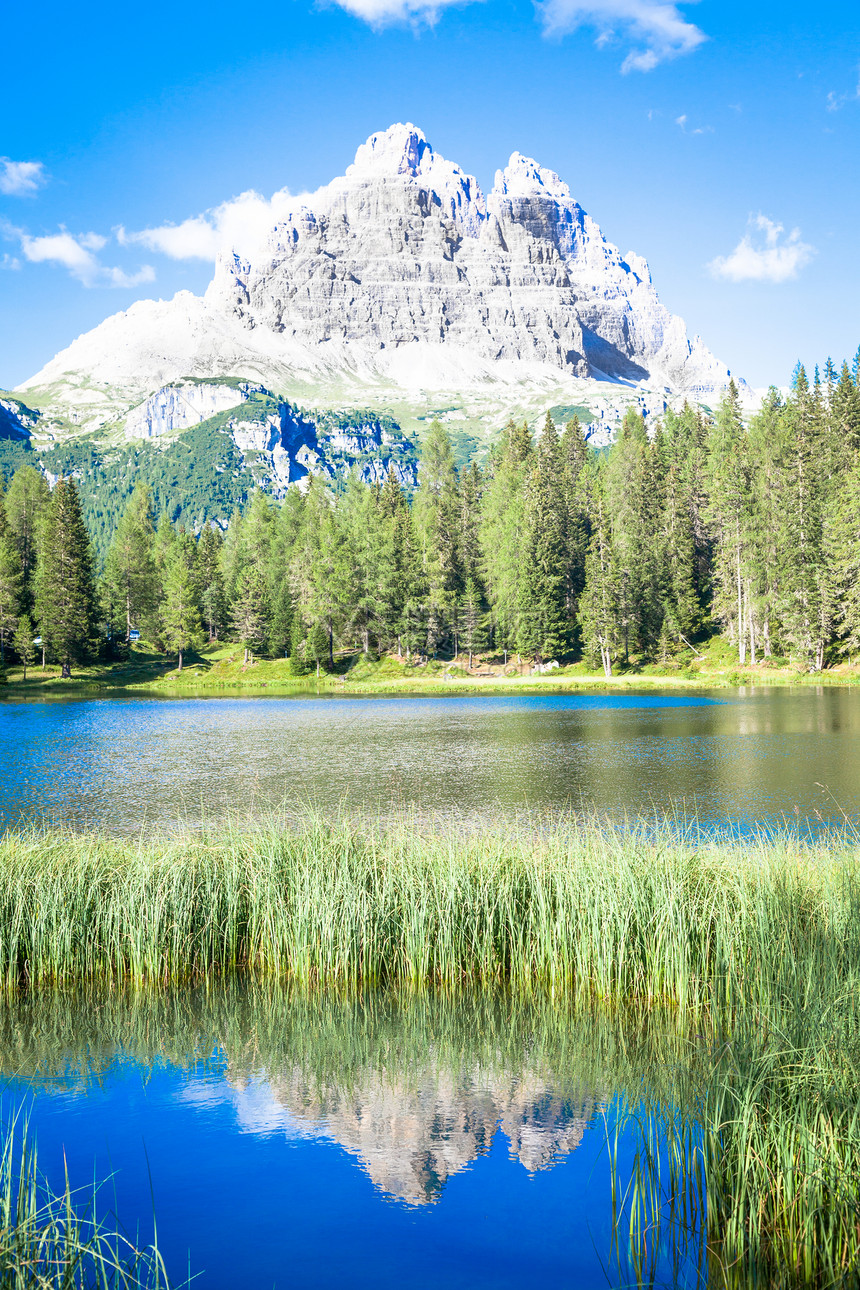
742 636
751 624
606 659
765 631
180 661
43 658
330 648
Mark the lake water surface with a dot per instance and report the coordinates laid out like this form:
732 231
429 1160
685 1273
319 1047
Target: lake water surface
747 757
325 1142
376 1142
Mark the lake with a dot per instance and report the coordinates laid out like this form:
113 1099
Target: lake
381 1141
745 757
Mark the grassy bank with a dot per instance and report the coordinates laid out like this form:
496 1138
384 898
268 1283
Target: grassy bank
219 669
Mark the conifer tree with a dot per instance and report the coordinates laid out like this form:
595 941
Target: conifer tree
213 598
23 642
251 611
438 519
843 563
26 502
599 604
576 481
181 628
544 625
298 662
633 490
728 515
502 529
129 584
65 588
11 599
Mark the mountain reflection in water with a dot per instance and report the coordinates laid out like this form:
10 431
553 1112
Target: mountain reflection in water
411 1135
385 1139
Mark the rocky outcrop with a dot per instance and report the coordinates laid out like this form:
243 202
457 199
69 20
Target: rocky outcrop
183 404
17 421
285 446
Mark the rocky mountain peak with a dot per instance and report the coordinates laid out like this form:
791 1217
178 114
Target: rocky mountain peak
398 281
523 177
402 149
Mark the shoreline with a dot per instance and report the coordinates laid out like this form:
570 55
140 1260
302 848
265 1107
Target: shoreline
219 671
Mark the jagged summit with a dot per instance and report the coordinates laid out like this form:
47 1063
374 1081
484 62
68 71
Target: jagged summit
523 177
401 281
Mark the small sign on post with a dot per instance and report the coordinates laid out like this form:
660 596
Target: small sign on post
134 634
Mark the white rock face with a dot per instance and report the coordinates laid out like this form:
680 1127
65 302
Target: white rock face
176 407
402 277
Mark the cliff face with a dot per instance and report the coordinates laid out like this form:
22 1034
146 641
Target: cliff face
405 251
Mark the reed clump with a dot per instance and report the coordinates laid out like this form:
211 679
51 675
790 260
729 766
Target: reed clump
613 914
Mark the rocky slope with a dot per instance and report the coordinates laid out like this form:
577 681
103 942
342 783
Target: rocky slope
403 288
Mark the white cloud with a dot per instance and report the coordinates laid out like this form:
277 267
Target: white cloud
9 261
658 30
21 178
241 224
699 129
836 101
381 13
76 252
766 253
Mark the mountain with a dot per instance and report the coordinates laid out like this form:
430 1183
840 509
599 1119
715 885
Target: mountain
400 288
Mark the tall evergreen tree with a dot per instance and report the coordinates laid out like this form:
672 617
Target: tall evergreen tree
129 584
729 514
213 598
599 607
502 529
181 628
251 611
65 587
11 598
26 502
544 624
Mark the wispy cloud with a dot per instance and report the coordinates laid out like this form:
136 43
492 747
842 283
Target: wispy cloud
21 178
836 101
657 29
76 252
683 121
242 223
766 253
9 261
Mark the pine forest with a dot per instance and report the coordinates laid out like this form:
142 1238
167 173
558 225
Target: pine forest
708 525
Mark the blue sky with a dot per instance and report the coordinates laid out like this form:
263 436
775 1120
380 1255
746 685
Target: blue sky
720 140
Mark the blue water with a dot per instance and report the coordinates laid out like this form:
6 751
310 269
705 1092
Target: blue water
749 757
400 1173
